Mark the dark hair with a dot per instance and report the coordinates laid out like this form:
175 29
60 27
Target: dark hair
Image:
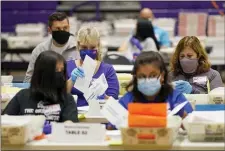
145 30
150 57
43 81
56 16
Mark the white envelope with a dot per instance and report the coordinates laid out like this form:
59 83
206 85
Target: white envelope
97 88
115 113
89 66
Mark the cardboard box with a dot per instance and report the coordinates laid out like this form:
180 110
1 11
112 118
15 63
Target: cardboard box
205 126
14 135
217 96
154 136
208 133
18 130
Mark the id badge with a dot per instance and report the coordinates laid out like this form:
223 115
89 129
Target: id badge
200 80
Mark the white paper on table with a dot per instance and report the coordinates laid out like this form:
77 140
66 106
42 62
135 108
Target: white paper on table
83 108
177 108
89 66
207 116
94 108
97 88
115 113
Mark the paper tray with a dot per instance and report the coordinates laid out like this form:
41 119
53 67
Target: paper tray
204 131
14 135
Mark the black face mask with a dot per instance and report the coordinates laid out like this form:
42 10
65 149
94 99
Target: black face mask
59 79
61 37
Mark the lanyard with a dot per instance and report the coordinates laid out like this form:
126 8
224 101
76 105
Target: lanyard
208 86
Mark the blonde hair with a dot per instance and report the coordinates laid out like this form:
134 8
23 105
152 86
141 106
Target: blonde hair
89 35
193 43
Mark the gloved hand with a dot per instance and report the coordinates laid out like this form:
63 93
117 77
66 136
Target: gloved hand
47 129
101 97
183 86
136 43
77 72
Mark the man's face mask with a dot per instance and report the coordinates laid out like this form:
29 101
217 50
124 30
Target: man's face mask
61 37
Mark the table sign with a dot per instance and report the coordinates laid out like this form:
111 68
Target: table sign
78 133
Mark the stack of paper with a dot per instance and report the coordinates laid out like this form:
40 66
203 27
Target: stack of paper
89 66
216 26
91 88
193 24
83 109
168 24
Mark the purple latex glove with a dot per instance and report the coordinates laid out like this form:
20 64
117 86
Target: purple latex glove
47 128
136 43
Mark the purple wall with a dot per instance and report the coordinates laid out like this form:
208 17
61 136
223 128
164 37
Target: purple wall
180 4
172 8
14 12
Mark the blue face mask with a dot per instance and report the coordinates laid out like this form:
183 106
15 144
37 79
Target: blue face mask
91 53
149 86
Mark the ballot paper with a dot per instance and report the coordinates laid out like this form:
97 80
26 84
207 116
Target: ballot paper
177 108
94 108
89 66
208 116
97 88
115 113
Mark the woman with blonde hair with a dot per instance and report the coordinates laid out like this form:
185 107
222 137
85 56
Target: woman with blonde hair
88 43
190 68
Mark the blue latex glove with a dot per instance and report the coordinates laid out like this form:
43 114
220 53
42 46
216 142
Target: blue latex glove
136 43
77 72
183 86
21 85
102 97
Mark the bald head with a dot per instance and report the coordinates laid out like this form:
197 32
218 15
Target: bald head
146 13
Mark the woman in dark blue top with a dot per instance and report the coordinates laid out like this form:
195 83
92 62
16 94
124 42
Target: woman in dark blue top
150 84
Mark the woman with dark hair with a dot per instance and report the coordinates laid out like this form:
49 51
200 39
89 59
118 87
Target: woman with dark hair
47 94
150 84
143 40
145 30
